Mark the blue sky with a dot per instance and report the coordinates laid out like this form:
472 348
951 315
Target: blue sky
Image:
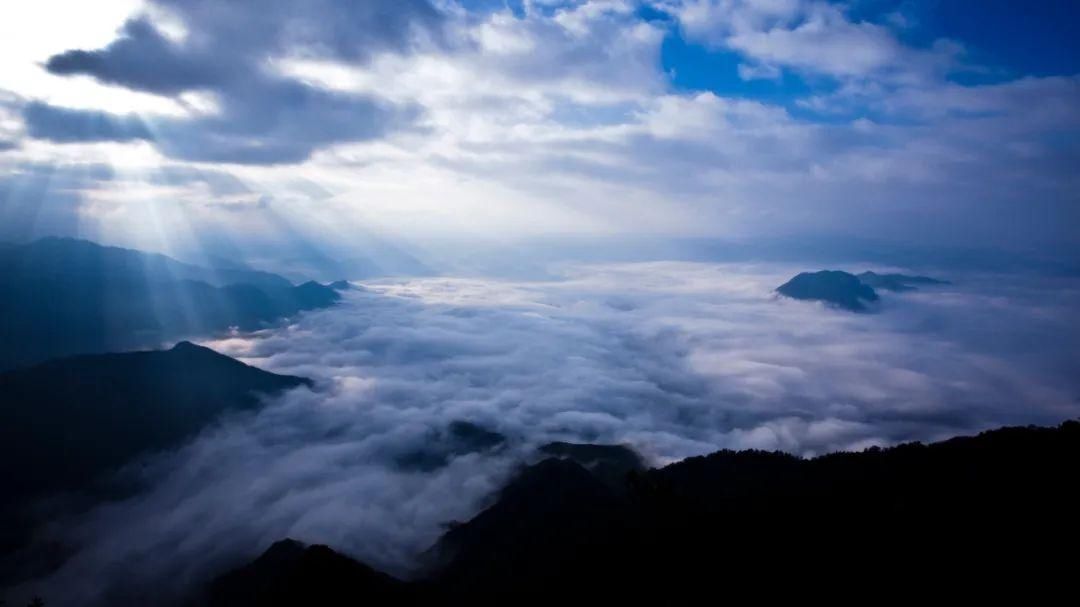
931 123
1000 42
1032 38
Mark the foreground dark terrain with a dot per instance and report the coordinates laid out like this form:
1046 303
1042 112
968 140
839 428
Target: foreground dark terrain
582 522
71 419
69 423
589 522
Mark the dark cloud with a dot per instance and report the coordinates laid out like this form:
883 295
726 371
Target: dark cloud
65 125
282 122
226 43
264 118
675 359
143 59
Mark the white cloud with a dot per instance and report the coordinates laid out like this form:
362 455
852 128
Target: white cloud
675 359
808 35
749 71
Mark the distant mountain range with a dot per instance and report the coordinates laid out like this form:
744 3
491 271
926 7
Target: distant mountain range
848 291
905 520
68 422
61 296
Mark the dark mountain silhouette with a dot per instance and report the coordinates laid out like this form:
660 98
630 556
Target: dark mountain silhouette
848 291
608 463
970 514
72 259
833 287
898 282
290 573
69 421
459 438
550 524
61 296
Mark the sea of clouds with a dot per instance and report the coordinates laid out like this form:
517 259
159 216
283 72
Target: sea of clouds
674 359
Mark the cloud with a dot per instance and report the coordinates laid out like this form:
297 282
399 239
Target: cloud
10 125
281 123
255 116
812 36
217 45
675 359
144 59
61 125
560 118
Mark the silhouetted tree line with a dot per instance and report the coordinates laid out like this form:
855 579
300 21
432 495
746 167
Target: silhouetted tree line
969 518
962 518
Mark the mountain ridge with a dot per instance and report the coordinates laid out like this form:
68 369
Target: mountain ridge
900 517
70 422
835 287
847 291
60 297
45 405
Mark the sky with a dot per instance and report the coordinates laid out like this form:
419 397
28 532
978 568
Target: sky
261 129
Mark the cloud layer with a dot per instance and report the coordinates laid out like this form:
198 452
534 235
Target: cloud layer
216 55
570 117
675 359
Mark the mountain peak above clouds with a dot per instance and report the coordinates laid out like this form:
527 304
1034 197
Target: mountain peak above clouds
847 291
834 287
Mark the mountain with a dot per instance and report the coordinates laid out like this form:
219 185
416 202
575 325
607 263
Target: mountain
833 287
290 573
60 297
459 438
75 259
68 421
608 463
946 518
743 520
552 522
898 282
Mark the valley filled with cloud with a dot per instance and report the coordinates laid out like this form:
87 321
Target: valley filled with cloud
673 359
